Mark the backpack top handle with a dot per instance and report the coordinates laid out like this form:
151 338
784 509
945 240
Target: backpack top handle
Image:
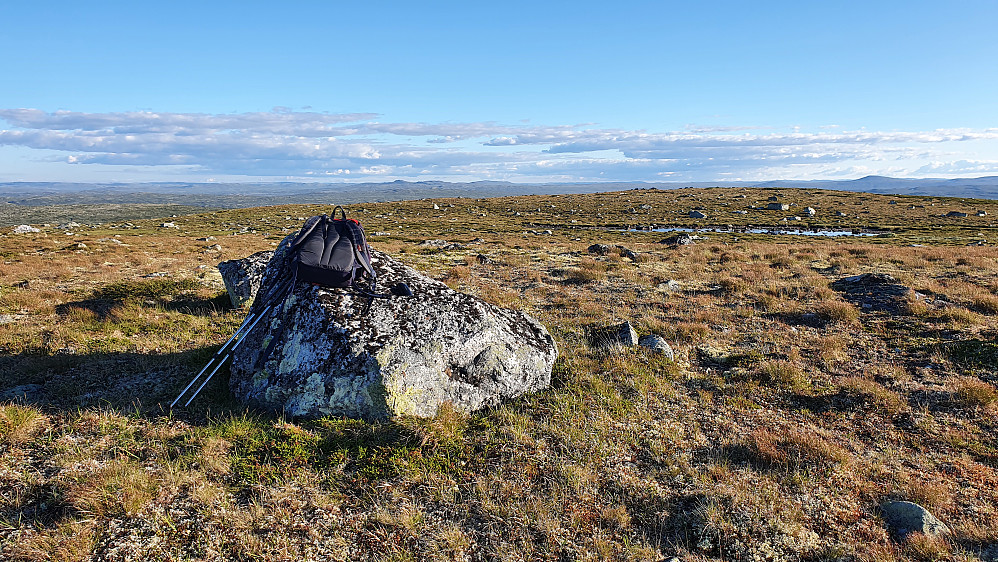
342 210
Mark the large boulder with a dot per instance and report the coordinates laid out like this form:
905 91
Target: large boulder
242 277
404 356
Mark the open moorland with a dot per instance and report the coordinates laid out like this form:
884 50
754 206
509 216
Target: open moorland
797 403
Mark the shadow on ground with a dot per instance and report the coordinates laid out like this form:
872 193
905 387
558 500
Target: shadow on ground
138 383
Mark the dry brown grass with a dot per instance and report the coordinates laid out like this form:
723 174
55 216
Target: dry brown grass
794 449
618 460
783 374
837 311
971 392
19 424
872 393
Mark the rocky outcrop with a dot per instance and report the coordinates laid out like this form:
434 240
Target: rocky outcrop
406 355
242 277
873 292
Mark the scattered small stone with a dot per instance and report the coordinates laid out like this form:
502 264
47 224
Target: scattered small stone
678 240
839 214
69 225
773 198
110 241
436 207
657 344
905 517
670 286
24 229
599 249
609 336
382 233
697 215
206 239
957 214
778 207
809 211
79 246
982 213
442 244
213 247
168 225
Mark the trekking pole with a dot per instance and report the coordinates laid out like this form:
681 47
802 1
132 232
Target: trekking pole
249 318
226 358
218 353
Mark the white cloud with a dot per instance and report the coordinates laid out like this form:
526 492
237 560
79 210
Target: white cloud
285 142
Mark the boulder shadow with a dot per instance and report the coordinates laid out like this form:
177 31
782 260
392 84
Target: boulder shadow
142 384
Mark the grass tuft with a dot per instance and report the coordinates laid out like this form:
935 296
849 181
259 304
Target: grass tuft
793 450
971 392
19 424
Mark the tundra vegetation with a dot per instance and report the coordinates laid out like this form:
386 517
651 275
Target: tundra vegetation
793 408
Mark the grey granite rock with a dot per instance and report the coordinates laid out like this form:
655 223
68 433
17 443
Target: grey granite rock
908 517
406 355
658 344
242 277
678 240
609 336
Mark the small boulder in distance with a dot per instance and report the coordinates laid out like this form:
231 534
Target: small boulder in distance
657 344
903 517
599 249
609 336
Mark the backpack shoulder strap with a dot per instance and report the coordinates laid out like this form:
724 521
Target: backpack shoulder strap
306 229
360 248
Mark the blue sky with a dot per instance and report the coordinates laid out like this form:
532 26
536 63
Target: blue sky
518 91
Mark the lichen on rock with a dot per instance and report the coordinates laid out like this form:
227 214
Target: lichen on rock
406 356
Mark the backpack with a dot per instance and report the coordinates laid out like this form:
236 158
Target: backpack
333 252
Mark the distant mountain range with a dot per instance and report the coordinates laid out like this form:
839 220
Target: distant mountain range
231 195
